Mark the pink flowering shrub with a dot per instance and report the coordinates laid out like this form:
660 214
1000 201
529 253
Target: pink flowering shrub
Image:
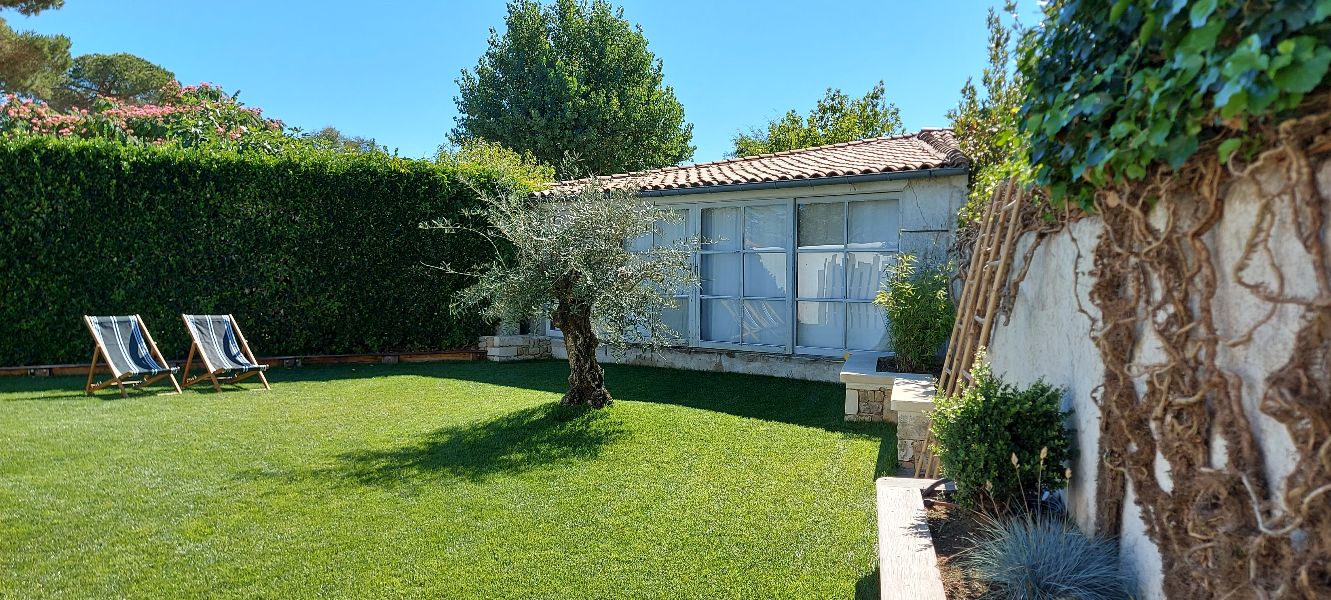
194 116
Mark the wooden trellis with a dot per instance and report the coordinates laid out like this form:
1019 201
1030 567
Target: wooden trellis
982 286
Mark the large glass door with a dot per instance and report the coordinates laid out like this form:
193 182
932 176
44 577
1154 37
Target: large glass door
842 247
744 268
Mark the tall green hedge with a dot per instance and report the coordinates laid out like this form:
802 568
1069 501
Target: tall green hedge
312 251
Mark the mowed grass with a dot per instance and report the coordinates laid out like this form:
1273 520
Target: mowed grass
460 480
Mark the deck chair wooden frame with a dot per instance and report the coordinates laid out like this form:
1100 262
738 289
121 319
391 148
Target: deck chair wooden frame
122 379
214 373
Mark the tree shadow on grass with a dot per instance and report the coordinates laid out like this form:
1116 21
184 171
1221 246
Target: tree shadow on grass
532 438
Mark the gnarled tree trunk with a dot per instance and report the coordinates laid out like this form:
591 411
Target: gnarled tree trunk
586 378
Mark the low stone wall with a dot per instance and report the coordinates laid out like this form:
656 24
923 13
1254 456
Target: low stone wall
867 403
511 348
902 398
810 368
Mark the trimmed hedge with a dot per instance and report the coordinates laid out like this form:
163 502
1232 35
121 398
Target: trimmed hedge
313 251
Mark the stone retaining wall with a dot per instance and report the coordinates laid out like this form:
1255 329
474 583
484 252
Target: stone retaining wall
512 348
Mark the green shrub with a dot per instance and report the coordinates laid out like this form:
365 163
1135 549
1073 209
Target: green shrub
313 251
1034 557
919 312
1000 445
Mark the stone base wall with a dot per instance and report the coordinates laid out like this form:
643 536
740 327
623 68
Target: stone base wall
868 404
902 398
912 430
809 368
512 348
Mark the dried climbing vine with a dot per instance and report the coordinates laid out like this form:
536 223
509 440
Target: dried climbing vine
1222 531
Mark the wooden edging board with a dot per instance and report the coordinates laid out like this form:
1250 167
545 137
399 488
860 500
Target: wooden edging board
275 361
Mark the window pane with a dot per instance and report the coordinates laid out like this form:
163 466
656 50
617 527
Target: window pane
820 324
641 243
720 274
867 329
765 322
865 274
822 224
674 231
720 320
720 228
767 227
677 318
874 224
820 275
765 275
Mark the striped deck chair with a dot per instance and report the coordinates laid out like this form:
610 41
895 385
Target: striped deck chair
223 349
130 352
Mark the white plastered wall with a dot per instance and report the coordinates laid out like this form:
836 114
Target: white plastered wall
1049 336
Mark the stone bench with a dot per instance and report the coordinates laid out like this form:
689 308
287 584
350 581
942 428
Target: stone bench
902 398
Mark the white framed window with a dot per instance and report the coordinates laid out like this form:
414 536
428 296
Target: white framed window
744 275
842 247
670 231
790 275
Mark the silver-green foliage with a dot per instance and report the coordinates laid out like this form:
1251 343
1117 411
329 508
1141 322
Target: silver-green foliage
1045 557
575 250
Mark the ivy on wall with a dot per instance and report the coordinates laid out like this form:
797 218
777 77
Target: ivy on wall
1113 88
313 251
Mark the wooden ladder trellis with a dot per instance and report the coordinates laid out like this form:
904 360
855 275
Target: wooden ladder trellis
981 289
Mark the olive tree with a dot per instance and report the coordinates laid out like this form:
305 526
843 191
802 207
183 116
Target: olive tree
568 258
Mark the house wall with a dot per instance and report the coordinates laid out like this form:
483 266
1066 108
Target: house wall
1049 336
928 206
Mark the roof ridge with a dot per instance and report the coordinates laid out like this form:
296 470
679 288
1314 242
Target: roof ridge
926 148
740 159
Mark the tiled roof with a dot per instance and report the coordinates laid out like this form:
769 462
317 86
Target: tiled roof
926 149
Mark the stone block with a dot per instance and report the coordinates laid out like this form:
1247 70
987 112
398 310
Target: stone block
871 408
912 426
852 402
906 450
501 352
862 418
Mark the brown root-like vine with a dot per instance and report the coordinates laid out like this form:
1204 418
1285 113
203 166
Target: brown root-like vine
1222 526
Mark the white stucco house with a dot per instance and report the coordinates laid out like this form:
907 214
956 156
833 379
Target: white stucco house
794 248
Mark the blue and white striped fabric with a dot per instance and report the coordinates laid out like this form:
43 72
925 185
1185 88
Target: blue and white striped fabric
121 339
216 337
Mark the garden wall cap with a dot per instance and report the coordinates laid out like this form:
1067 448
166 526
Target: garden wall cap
920 151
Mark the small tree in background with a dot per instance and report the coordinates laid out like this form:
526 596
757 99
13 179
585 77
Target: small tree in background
837 118
919 312
986 124
333 139
522 168
568 259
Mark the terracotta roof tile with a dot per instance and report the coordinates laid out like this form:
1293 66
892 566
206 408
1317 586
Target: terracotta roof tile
926 149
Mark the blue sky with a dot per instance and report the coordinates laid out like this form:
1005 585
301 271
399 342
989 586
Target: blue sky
386 69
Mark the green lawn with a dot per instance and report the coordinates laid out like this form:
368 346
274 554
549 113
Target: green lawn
459 480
